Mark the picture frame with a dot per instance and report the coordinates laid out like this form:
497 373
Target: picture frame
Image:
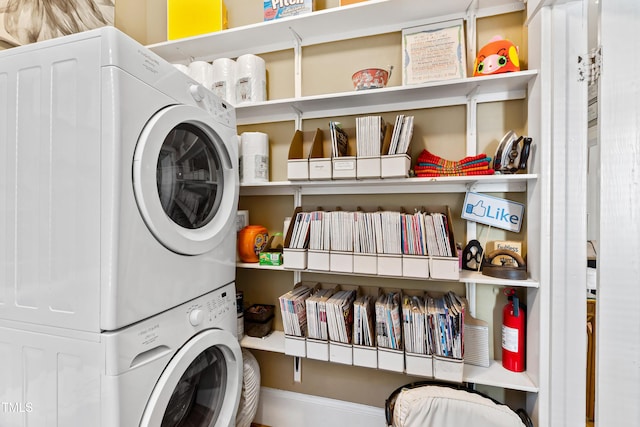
434 52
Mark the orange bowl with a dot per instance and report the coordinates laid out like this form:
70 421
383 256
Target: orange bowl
370 78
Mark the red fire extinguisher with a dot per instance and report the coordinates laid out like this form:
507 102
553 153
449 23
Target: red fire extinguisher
513 333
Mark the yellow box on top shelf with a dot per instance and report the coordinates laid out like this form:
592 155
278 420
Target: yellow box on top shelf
187 18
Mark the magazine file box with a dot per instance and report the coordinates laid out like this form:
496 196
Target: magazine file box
448 369
294 259
419 364
295 346
297 164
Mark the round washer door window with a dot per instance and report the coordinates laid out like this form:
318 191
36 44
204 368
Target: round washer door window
185 179
200 386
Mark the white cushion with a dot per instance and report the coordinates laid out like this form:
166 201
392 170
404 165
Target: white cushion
448 407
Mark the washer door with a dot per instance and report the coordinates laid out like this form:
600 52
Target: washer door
200 386
185 179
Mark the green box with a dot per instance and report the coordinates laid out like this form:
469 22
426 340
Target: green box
271 257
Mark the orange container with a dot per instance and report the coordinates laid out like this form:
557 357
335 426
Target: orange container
251 240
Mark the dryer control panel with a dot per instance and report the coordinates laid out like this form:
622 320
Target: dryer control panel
222 111
165 333
212 310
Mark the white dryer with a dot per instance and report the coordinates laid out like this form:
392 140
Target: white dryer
182 367
118 184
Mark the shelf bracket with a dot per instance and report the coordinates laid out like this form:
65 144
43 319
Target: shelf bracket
297 59
472 122
297 369
298 120
472 16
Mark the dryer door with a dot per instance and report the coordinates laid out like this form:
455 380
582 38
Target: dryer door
200 386
185 179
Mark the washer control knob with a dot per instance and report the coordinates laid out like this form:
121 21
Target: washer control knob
197 92
196 316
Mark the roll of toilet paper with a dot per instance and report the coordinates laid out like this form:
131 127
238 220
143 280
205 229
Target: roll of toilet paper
251 79
224 79
182 68
254 158
202 72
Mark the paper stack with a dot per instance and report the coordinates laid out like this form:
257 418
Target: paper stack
317 314
363 323
293 310
340 316
388 328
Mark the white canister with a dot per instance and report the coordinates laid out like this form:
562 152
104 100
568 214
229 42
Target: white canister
251 79
254 157
202 72
224 79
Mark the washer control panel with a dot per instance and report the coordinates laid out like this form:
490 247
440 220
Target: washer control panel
212 309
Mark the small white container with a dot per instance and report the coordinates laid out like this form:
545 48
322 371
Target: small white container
419 364
294 259
340 353
317 349
318 260
415 266
448 369
446 268
390 360
344 167
368 167
298 170
319 169
295 346
395 166
365 263
341 262
364 356
389 265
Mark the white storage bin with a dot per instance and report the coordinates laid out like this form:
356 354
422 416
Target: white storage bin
298 170
294 259
320 169
415 266
344 168
340 353
318 349
390 360
448 369
364 356
368 167
419 364
318 260
341 262
389 265
395 166
447 268
295 346
365 263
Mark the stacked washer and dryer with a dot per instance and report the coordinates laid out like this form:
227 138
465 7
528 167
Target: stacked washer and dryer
118 196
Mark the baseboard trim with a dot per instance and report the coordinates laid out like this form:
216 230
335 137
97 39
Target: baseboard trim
280 408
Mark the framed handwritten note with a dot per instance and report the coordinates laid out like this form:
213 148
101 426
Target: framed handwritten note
434 52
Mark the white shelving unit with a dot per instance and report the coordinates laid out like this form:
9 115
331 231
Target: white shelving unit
495 375
371 18
465 276
357 20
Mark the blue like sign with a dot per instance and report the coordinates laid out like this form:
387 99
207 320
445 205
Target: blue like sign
493 211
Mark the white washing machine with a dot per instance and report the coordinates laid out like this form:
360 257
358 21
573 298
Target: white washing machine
118 184
182 367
